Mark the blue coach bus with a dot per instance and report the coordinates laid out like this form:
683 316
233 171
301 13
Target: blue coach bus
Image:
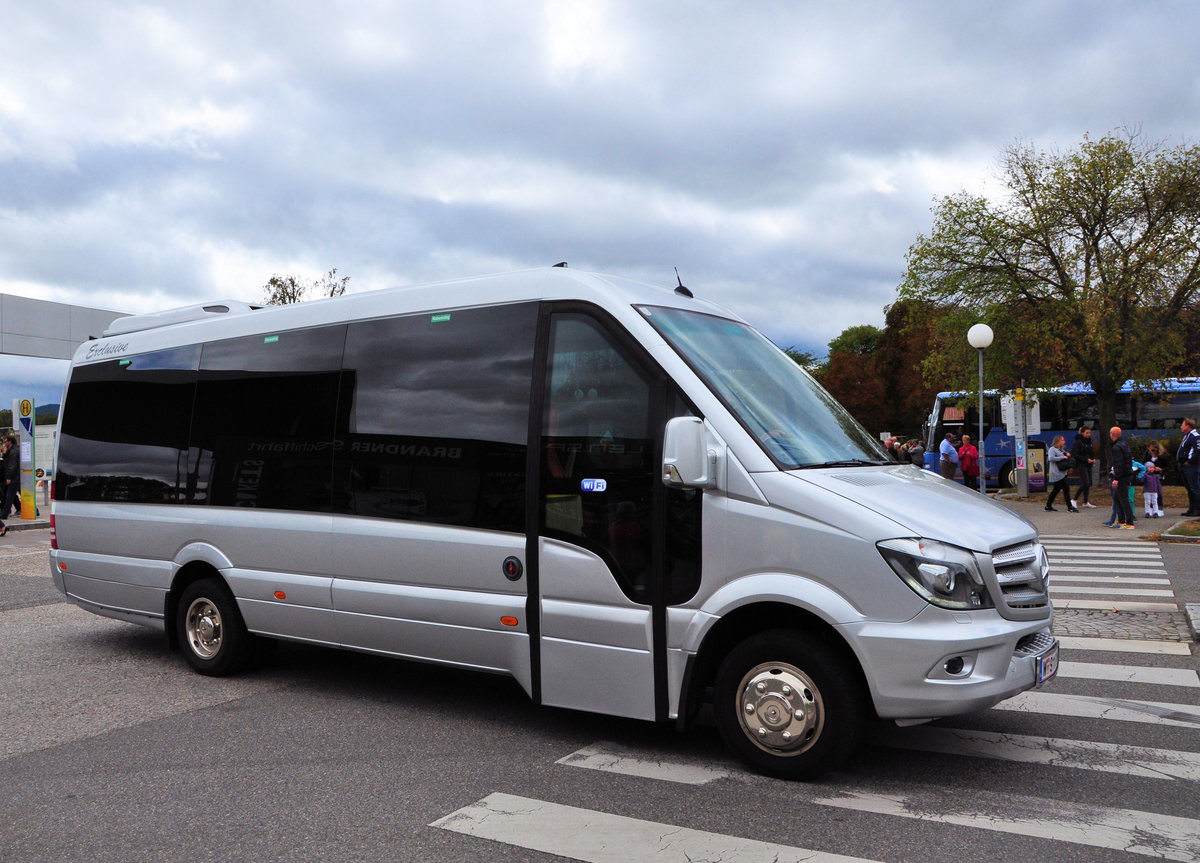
1145 414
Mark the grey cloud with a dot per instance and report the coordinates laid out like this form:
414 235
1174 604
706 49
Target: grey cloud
782 155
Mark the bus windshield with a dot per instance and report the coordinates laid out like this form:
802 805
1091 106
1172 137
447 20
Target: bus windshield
793 418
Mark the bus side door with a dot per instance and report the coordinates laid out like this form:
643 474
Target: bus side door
603 573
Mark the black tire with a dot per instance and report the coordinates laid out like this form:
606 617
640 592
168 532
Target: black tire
211 631
788 704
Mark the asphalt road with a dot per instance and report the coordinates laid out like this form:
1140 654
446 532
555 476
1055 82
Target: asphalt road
111 750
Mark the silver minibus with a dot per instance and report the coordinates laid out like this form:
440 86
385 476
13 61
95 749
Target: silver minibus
623 496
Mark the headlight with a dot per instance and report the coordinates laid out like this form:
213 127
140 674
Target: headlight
944 575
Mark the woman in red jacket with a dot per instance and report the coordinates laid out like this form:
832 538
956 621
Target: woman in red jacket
968 457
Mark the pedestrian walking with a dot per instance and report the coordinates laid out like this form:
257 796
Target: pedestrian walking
1060 464
1084 452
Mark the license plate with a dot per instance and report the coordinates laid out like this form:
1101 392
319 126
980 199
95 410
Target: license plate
1047 665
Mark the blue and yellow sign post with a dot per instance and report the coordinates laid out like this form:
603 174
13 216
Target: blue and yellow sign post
26 426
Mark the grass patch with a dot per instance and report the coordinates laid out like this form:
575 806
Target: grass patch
1186 528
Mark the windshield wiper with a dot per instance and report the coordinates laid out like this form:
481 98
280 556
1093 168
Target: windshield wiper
853 462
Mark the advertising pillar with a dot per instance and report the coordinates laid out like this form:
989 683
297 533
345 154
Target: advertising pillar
1022 454
25 426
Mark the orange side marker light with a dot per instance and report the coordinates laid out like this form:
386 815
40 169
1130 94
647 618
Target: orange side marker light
509 621
279 594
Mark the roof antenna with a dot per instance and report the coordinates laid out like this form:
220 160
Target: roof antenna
681 290
562 264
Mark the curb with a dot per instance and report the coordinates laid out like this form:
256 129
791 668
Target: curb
1168 536
1192 611
15 524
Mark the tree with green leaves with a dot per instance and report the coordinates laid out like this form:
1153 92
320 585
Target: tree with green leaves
861 339
284 290
807 360
1087 268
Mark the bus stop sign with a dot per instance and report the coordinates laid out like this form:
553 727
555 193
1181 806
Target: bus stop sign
1009 411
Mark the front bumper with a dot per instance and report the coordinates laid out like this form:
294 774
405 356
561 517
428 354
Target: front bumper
946 663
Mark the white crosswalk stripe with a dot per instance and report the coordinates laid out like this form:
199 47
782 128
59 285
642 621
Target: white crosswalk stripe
1164 648
1059 578
1057 568
1147 762
1145 833
606 757
1104 549
1116 540
1114 605
1102 563
1129 673
1110 591
597 837
1112 709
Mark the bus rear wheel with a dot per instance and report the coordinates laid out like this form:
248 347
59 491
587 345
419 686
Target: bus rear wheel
211 630
788 704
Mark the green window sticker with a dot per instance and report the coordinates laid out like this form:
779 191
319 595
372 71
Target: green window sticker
440 319
270 340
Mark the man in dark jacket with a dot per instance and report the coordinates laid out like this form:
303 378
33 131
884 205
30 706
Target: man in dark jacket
1188 461
1122 475
12 475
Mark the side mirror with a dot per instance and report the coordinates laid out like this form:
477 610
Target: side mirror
686 459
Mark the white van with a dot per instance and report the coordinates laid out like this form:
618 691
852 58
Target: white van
624 497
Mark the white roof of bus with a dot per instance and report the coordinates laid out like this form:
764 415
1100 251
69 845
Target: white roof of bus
228 319
1085 388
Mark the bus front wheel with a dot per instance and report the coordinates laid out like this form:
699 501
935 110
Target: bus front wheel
1008 475
788 704
210 629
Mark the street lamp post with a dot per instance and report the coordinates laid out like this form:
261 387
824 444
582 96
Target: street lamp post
979 337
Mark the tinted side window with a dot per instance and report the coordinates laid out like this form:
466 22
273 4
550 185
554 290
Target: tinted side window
600 461
263 430
599 449
437 417
124 431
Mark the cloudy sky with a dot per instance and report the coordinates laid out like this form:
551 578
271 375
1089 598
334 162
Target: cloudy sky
782 155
